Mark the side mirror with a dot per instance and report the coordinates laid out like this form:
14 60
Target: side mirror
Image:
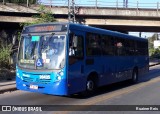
75 41
71 39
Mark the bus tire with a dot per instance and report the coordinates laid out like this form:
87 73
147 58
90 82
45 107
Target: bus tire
134 76
90 88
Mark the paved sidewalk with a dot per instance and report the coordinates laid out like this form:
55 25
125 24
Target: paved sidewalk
154 62
10 85
7 86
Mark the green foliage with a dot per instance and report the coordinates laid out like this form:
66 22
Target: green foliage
5 52
18 36
154 53
151 52
6 48
44 17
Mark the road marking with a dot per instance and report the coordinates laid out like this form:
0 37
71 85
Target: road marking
104 97
121 92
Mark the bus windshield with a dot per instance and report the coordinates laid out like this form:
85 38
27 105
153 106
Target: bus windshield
42 52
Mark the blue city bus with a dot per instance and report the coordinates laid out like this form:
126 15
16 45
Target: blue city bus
67 58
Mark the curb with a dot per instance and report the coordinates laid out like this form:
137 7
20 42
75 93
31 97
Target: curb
8 90
154 64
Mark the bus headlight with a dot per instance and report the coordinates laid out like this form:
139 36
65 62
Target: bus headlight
61 73
59 78
18 74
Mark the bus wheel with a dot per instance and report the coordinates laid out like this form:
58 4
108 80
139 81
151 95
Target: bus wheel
134 76
90 88
90 85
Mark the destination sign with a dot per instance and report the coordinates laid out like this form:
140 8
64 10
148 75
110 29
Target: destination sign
45 28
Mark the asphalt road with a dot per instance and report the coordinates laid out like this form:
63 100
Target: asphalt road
123 95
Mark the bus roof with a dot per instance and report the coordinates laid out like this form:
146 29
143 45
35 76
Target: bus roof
82 27
105 32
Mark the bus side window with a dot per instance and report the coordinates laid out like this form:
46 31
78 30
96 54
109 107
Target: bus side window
107 44
119 45
76 46
93 44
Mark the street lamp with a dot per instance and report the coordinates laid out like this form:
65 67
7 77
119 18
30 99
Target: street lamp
69 16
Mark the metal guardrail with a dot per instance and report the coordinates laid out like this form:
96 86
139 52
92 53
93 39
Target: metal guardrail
102 3
96 3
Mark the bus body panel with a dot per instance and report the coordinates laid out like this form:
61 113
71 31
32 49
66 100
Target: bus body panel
76 79
109 68
76 74
26 79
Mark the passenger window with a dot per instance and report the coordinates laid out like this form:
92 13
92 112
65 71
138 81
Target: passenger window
107 44
93 44
141 48
120 47
129 47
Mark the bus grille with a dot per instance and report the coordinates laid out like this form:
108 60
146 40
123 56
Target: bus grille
28 79
43 81
36 80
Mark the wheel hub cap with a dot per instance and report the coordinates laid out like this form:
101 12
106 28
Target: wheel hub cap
90 85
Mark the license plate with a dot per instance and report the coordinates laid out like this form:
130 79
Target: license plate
33 87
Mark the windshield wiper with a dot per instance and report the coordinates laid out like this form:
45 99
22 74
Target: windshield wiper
50 37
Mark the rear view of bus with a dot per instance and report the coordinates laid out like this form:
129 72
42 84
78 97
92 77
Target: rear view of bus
41 59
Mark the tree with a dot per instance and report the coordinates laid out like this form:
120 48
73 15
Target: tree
153 53
44 17
5 49
6 45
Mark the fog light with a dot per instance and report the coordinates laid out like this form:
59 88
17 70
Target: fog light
24 85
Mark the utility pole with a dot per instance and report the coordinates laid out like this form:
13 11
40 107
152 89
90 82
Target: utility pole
71 11
51 3
125 3
3 2
27 3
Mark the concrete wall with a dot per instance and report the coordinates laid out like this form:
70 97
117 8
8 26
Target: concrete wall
90 15
9 7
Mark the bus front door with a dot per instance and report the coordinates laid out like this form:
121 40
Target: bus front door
76 79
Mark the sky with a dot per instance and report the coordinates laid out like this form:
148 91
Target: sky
143 34
110 3
104 3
